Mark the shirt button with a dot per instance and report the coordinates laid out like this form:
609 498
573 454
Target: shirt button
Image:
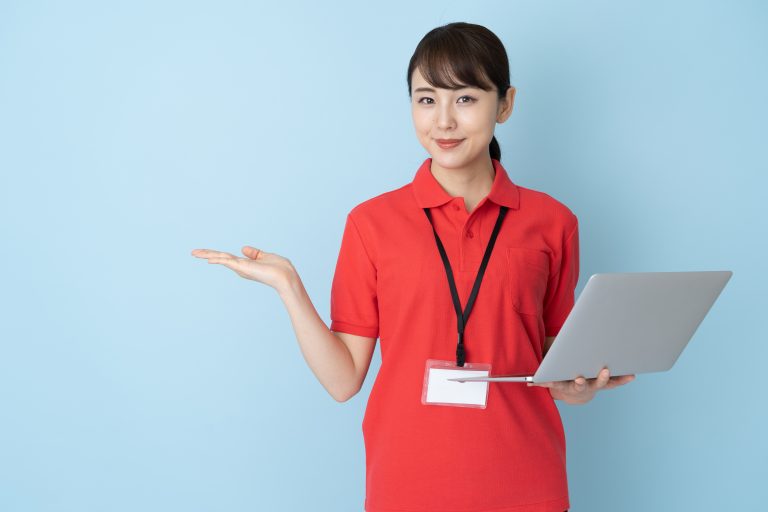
456 207
470 234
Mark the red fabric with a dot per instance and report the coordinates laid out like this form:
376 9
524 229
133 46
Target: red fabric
390 283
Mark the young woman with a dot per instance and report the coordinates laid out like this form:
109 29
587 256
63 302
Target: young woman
409 272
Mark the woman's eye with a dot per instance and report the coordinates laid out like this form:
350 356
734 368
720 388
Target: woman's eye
469 99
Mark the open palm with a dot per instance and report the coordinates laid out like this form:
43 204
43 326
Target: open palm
264 267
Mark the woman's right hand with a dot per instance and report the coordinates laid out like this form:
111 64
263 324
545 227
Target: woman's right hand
264 267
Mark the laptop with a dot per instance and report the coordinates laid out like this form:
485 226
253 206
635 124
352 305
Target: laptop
632 322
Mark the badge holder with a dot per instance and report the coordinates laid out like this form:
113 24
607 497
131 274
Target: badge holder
438 390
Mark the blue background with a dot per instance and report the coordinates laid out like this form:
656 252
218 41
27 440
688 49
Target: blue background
134 376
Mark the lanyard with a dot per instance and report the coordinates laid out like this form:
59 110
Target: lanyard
461 318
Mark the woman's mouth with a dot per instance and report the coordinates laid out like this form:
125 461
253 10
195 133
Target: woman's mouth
448 143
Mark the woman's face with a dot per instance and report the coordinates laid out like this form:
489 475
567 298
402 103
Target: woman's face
469 115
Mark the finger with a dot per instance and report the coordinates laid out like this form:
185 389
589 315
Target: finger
208 253
227 262
252 252
619 381
602 378
204 252
578 384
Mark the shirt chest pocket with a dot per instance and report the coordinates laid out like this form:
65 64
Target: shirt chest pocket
528 273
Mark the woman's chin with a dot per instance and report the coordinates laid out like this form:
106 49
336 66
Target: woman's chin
448 160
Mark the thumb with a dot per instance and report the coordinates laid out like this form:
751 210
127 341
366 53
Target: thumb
251 252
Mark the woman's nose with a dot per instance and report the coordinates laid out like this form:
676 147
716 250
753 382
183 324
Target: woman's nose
445 118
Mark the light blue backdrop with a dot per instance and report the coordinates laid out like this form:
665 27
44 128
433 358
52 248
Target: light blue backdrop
136 377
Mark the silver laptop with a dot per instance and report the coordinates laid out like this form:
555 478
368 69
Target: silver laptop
635 322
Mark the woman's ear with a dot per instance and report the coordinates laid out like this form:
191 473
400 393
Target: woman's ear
505 105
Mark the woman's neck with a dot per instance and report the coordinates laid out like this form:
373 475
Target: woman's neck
473 182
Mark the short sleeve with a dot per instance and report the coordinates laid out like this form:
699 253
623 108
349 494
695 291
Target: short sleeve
354 305
561 287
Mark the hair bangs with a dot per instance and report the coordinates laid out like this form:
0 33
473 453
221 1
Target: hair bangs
450 66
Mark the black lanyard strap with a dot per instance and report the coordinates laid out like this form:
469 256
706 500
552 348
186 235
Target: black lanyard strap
461 318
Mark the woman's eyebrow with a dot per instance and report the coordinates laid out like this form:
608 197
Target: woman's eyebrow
429 89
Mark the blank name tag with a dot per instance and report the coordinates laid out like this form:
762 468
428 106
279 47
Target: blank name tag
438 390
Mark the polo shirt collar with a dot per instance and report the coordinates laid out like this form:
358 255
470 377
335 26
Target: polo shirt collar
429 193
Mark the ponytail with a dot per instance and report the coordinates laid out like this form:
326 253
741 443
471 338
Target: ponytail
495 149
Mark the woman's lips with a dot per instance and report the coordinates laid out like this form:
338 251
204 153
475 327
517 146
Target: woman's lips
448 143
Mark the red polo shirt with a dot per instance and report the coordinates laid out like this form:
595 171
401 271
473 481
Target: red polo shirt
390 283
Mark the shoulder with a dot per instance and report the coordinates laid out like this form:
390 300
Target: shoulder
377 219
553 211
383 205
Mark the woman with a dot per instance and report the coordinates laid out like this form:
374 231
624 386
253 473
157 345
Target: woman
409 272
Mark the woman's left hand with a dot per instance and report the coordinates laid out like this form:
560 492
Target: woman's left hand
581 390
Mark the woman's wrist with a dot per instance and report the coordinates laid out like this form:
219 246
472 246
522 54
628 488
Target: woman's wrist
290 285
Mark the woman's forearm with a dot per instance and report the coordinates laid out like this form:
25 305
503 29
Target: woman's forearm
327 356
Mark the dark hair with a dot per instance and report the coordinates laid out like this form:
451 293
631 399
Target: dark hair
462 54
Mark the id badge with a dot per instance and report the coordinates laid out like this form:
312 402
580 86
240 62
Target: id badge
438 390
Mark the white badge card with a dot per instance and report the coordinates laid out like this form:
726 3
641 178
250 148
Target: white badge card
438 390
